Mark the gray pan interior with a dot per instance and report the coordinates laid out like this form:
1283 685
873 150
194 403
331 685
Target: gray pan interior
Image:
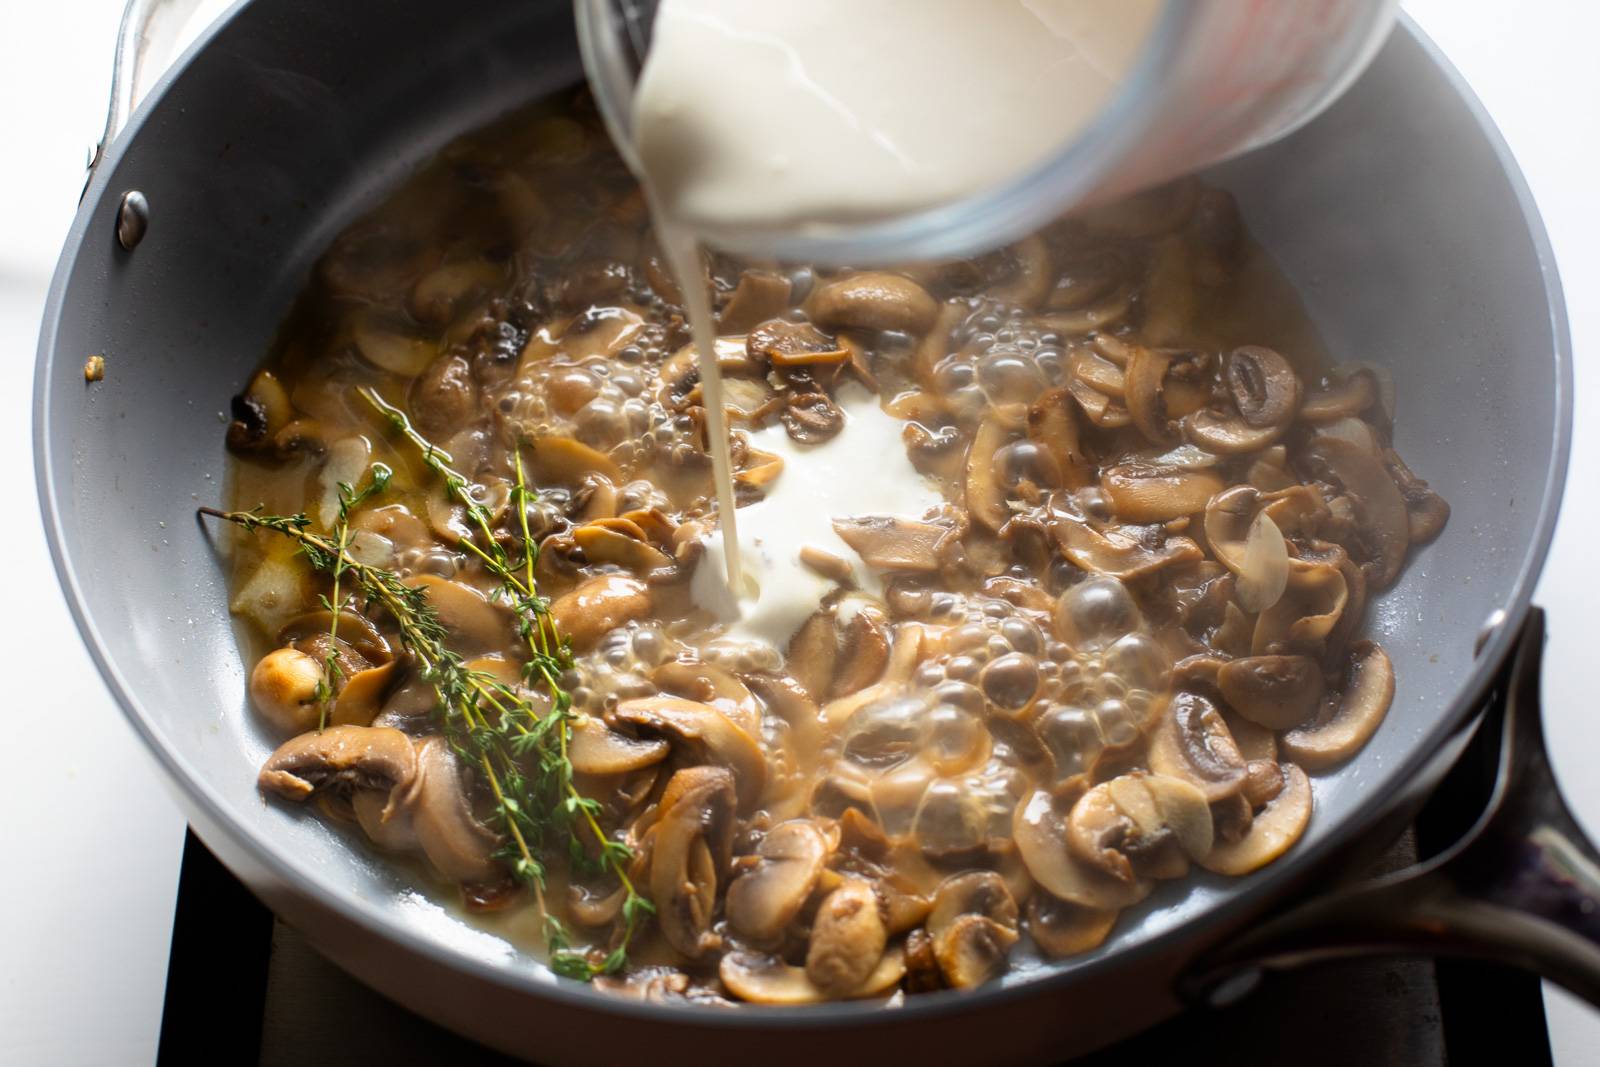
1399 214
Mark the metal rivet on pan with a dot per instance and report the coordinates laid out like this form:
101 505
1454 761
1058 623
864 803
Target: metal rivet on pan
1491 626
1234 988
133 219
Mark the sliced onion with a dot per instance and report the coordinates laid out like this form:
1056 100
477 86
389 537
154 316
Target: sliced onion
1264 571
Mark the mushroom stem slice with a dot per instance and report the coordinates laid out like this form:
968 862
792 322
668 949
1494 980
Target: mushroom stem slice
1272 831
1351 721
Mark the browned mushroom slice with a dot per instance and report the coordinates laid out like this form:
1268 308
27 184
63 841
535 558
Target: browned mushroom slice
1348 460
363 695
1141 825
710 684
973 924
1145 381
259 413
811 418
1311 606
1272 830
1225 433
1062 929
476 623
770 892
459 846
383 341
873 300
762 979
794 344
345 757
1053 425
891 543
812 653
1265 389
1346 725
355 630
1192 742
597 607
1277 692
565 461
1031 276
848 937
1348 397
863 653
595 748
1228 518
607 543
707 734
1040 832
693 844
985 497
440 294
1142 494
1426 509
1115 552
759 296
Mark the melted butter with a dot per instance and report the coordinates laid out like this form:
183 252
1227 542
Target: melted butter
863 470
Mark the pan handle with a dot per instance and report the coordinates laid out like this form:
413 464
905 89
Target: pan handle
146 42
1521 887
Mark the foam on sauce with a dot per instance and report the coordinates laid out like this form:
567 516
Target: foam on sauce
862 471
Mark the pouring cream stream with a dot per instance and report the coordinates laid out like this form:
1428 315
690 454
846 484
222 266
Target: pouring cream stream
766 116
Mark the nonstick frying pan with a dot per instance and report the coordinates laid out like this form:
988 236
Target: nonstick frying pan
1398 213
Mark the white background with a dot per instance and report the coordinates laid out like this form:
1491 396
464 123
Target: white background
92 840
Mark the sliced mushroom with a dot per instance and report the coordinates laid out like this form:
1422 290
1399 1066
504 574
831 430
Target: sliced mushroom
1158 386
1346 725
1263 565
812 653
1040 832
863 653
873 300
597 607
383 341
565 461
888 542
1116 553
1193 742
1064 929
1427 510
344 757
710 684
440 294
1053 424
693 844
766 897
1264 387
607 542
794 344
984 495
762 979
1141 825
1386 526
1277 692
595 748
759 296
259 413
1142 494
1226 433
973 924
1273 829
364 694
848 937
476 623
1350 396
707 734
811 417
1314 600
459 846
1228 518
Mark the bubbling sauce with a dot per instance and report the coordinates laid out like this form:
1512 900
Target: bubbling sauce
1063 551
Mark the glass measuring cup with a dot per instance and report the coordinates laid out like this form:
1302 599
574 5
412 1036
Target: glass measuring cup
1215 78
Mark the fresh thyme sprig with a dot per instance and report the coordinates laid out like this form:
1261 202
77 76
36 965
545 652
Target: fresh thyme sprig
350 498
546 738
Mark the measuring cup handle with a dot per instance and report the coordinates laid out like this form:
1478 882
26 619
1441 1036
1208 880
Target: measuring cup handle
145 47
1521 887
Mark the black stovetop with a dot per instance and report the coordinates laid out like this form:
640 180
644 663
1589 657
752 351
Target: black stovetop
243 988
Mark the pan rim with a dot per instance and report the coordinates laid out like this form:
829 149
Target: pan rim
1248 897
